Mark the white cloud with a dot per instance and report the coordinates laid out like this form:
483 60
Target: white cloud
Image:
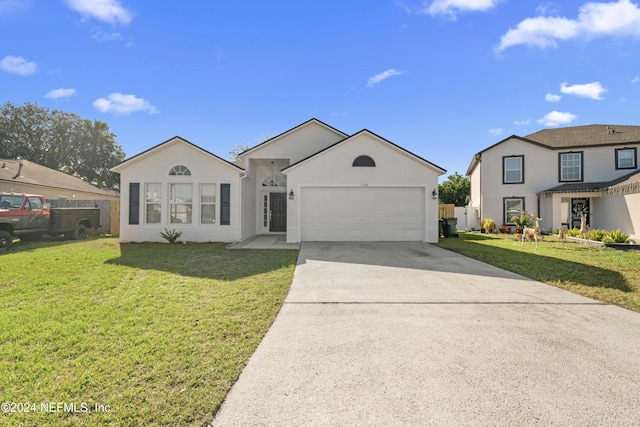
590 90
522 122
452 7
102 36
18 65
104 10
123 104
556 118
60 93
621 18
382 76
552 97
496 131
636 79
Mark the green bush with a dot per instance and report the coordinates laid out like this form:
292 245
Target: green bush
489 224
597 234
523 221
170 235
574 232
616 237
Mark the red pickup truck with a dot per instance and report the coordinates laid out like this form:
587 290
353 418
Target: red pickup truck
29 216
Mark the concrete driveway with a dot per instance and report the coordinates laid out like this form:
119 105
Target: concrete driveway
409 334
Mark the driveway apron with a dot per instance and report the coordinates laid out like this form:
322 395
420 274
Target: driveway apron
410 334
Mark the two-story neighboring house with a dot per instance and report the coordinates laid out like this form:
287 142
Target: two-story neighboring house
561 174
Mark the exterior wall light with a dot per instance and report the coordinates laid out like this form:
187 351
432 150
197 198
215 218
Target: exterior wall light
434 194
291 195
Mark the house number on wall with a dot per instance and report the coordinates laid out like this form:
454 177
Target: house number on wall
364 185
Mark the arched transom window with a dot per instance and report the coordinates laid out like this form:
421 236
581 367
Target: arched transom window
364 160
275 180
179 170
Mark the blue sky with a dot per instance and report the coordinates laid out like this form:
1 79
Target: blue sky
442 78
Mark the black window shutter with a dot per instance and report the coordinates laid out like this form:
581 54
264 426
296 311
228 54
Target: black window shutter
225 204
134 203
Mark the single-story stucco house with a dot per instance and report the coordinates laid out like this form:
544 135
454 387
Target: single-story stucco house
312 183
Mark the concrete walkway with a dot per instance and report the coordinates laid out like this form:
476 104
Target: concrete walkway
266 241
409 334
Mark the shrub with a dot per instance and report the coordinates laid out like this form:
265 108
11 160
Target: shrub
523 221
597 234
489 224
574 232
616 237
170 235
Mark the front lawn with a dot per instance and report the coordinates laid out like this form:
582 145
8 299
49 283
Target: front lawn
604 274
98 333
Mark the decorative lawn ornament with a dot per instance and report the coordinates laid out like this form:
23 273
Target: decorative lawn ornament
584 228
531 233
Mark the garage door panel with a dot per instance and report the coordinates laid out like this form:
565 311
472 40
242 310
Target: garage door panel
362 214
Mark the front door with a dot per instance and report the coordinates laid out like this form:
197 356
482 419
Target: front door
578 208
278 212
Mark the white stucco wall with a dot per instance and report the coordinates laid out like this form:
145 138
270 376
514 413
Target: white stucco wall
297 144
541 172
333 167
154 167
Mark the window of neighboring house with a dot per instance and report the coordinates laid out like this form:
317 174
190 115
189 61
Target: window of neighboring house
513 170
179 170
570 166
153 202
207 203
180 203
626 158
513 207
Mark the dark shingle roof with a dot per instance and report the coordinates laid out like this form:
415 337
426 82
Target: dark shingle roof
620 185
35 174
586 136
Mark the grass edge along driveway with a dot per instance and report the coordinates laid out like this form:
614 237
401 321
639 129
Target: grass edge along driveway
98 333
605 274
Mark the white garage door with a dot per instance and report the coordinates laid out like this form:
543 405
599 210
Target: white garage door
362 214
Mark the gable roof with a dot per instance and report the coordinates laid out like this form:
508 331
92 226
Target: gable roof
366 131
117 168
30 173
307 123
573 137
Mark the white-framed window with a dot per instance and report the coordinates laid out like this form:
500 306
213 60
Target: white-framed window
626 158
513 170
153 202
571 166
180 203
180 170
207 203
513 207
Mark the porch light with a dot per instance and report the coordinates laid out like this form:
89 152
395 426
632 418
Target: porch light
434 194
291 195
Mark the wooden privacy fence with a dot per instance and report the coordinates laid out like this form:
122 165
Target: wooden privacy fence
446 211
109 212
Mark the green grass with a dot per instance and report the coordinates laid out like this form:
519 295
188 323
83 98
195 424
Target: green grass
156 332
604 274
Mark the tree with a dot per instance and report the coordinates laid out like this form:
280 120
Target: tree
454 190
61 141
235 152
